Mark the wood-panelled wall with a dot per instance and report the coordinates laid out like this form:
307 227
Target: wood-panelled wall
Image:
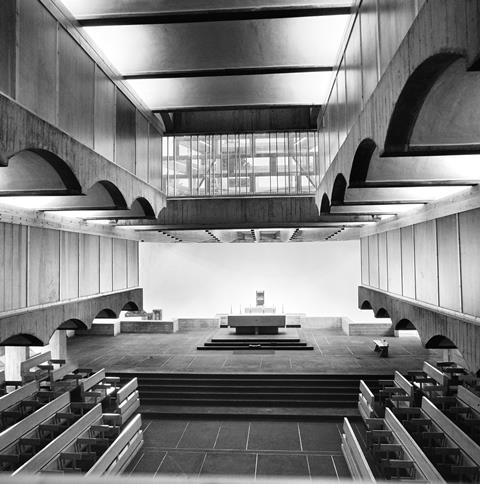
377 32
46 70
40 266
436 262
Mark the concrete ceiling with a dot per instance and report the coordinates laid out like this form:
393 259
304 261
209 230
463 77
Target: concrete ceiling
200 54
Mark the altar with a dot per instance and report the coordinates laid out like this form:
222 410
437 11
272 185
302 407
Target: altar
256 323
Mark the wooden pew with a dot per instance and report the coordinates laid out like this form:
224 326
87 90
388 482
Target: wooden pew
126 402
98 387
353 453
18 395
51 452
399 392
452 451
431 381
366 402
397 453
30 370
120 453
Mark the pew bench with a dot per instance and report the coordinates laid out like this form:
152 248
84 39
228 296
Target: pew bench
399 456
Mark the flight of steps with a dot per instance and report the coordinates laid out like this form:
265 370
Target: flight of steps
253 343
248 393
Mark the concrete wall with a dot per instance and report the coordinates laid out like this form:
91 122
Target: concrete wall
44 68
201 280
40 266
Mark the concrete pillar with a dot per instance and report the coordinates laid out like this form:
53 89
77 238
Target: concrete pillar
58 345
14 355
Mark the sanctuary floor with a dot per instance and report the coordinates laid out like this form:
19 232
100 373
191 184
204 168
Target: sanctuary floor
333 353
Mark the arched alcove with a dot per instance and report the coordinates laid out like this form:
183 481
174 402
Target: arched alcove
22 339
106 314
361 162
130 306
440 341
338 190
382 313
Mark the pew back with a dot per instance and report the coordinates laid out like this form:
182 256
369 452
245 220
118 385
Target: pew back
468 398
353 453
452 432
18 395
411 448
53 449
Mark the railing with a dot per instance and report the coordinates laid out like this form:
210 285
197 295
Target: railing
249 164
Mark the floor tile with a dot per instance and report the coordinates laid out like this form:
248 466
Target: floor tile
182 464
232 435
321 466
282 465
321 436
200 435
229 464
342 467
273 436
164 433
149 462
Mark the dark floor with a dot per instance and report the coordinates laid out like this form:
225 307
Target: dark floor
333 352
253 449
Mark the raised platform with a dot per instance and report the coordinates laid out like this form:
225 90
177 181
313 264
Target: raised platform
226 339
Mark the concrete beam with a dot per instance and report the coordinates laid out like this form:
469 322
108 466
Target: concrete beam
41 321
429 320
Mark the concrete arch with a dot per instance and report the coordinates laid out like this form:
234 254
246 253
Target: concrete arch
22 339
38 172
382 313
366 305
411 99
361 162
404 324
88 166
106 313
439 341
130 306
145 205
72 323
338 190
325 204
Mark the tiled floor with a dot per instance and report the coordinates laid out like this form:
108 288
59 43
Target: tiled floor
241 448
333 353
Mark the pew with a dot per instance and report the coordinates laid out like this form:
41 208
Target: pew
20 441
126 402
91 446
450 449
30 369
399 392
52 451
366 402
397 453
431 381
98 387
120 453
353 453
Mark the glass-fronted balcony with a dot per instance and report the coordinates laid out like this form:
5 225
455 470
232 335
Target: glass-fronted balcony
231 165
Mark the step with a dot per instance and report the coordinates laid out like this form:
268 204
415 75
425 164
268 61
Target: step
241 388
254 403
254 348
251 395
247 344
255 340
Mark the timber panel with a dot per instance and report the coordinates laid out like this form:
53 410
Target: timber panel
368 28
141 164
155 158
119 264
37 59
365 261
448 263
43 266
382 262
132 263
426 278
394 261
106 264
125 133
89 275
69 260
75 89
408 261
104 111
373 260
469 225
7 47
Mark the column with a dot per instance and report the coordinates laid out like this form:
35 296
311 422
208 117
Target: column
58 345
14 355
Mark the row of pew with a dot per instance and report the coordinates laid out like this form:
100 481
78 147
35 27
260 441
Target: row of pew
421 428
68 420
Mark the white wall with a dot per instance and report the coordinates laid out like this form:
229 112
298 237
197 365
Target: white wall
200 280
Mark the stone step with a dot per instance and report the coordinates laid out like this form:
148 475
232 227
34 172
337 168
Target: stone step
232 396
